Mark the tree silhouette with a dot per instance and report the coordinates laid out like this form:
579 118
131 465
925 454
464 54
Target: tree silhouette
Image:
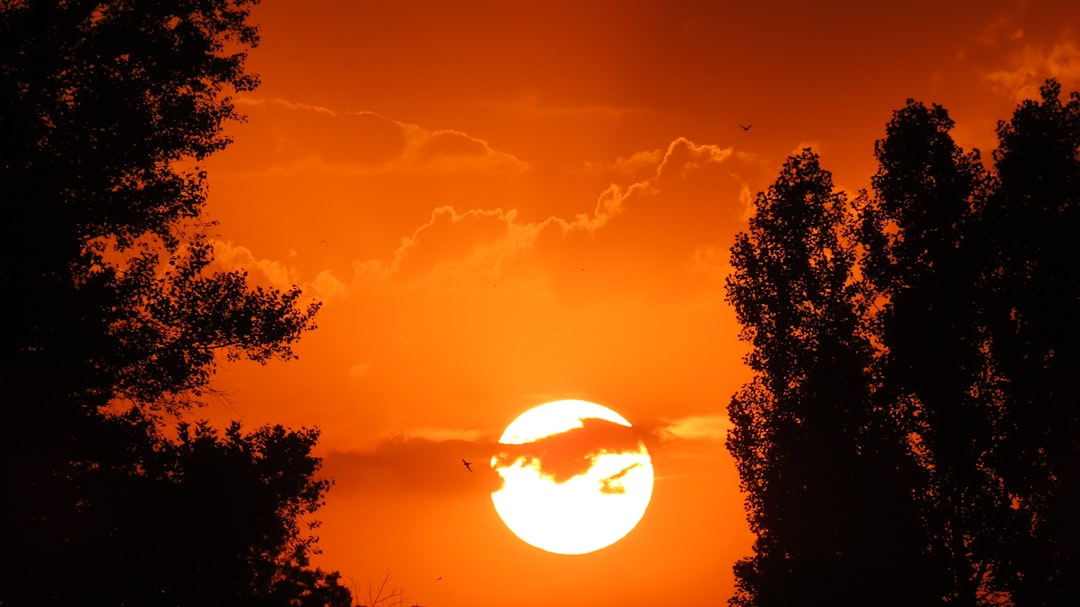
204 520
831 521
1033 303
921 395
921 261
106 109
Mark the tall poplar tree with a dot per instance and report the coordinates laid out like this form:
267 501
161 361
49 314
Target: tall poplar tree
1032 284
823 498
921 258
935 372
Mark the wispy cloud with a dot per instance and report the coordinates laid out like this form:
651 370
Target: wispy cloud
572 453
323 285
1032 63
712 427
295 137
687 181
613 484
422 461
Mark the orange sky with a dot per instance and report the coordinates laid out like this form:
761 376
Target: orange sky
503 204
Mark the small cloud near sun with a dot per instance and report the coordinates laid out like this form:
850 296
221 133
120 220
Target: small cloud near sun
424 461
613 484
360 370
445 434
566 455
698 427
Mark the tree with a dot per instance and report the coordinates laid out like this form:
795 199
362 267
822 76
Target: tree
831 520
954 337
204 520
1032 289
104 108
921 258
106 111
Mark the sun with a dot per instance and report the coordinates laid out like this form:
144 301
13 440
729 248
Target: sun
576 477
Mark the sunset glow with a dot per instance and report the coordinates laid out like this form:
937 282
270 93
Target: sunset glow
505 204
601 501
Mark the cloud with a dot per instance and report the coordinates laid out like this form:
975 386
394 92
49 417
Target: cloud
1003 30
359 370
292 137
429 459
1028 67
450 151
424 461
451 242
324 286
564 455
660 227
671 222
684 155
613 484
638 164
710 261
697 427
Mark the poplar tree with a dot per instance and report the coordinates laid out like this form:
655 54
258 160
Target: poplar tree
934 372
921 260
823 494
1032 290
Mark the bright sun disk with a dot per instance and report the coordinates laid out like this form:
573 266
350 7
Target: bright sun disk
606 493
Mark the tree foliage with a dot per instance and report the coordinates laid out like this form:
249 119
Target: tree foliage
1032 290
922 261
120 314
819 491
914 398
106 107
205 519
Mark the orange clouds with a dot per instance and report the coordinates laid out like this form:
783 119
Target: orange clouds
324 286
1031 64
641 226
486 299
564 455
427 459
504 205
295 137
697 427
613 484
485 302
413 465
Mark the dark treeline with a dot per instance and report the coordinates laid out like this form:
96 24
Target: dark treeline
912 432
118 315
911 436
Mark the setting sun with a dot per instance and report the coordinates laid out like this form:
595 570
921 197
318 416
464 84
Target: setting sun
303 290
575 477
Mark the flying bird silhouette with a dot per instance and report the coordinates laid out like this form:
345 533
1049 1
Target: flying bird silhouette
468 465
745 127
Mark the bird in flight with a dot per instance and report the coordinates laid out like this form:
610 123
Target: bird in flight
468 465
745 127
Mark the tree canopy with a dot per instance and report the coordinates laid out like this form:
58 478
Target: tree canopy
815 457
914 354
120 313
